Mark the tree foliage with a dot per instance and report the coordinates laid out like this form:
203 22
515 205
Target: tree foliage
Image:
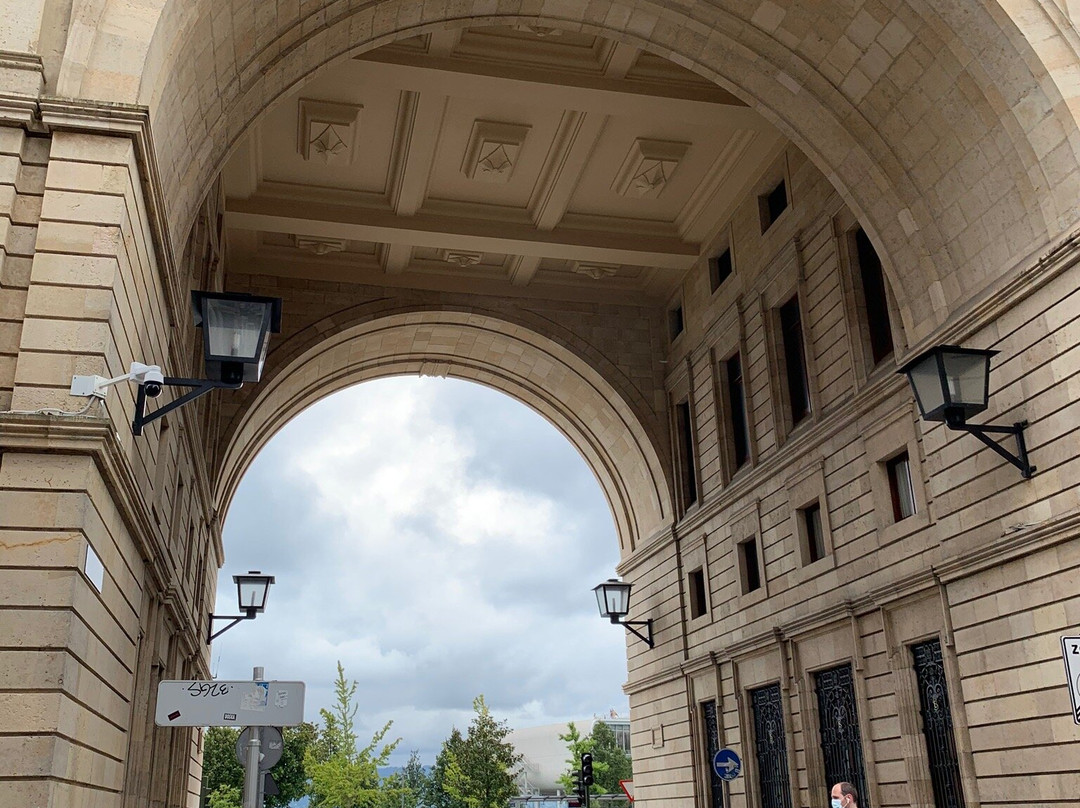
223 773
477 770
610 763
339 774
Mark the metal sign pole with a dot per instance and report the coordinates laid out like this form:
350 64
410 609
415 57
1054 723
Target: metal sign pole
252 772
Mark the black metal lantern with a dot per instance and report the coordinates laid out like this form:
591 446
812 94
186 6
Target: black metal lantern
252 591
951 384
236 333
613 598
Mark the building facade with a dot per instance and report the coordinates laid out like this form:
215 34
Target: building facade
699 236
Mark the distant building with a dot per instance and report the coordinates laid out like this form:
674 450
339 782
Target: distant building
546 756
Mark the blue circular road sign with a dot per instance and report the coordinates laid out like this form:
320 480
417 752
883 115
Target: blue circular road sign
726 764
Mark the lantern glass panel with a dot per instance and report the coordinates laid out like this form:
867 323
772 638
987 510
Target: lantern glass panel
234 328
966 376
926 379
252 591
613 598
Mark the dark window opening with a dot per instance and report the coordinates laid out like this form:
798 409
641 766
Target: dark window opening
719 269
698 604
900 488
688 478
736 401
841 742
770 747
937 725
712 746
675 321
772 204
877 306
815 538
791 335
748 561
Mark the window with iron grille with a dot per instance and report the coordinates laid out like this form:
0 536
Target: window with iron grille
712 746
838 721
937 725
770 747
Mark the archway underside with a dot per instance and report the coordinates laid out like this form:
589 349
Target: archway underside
524 365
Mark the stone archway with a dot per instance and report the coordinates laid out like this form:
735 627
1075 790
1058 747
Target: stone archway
532 368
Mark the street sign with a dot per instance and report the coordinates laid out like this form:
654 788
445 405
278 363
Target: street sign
1070 651
229 704
628 789
726 764
271 746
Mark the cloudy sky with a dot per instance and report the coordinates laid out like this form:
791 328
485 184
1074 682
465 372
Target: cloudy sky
441 540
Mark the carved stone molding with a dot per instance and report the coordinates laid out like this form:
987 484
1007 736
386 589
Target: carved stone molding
493 150
327 130
463 258
648 168
594 269
319 245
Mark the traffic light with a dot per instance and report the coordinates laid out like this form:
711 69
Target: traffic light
586 769
579 787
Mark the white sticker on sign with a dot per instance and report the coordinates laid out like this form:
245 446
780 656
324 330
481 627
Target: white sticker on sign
1070 651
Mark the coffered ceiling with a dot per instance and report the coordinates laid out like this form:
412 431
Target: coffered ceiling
521 161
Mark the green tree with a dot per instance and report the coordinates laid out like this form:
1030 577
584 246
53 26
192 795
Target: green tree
610 763
478 770
225 796
340 775
436 794
576 746
289 774
413 780
220 766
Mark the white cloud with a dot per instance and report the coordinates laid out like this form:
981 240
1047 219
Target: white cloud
441 541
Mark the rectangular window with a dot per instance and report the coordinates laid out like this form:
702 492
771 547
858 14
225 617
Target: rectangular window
903 495
699 605
877 307
770 747
791 335
937 725
772 204
736 401
838 724
749 566
688 478
719 269
712 746
675 321
815 538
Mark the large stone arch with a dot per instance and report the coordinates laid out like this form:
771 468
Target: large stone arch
936 123
520 362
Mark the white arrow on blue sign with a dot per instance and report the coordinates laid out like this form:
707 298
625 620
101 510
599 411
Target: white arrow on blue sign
726 764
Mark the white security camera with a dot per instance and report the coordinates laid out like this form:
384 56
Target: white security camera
149 376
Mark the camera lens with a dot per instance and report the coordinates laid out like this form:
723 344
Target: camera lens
153 389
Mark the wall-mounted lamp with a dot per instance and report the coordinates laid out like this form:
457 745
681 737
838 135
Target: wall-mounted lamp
251 593
236 335
951 384
613 598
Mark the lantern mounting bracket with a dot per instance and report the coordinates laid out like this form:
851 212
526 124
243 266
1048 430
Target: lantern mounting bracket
646 638
212 635
201 388
955 420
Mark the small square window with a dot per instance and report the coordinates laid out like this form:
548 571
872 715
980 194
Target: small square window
749 566
903 494
815 537
719 269
772 204
699 605
675 321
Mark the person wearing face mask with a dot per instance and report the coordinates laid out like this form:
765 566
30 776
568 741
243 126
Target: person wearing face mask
844 795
